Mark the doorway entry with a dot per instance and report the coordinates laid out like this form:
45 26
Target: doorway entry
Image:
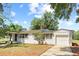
15 37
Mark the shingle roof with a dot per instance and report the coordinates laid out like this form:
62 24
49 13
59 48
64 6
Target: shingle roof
30 32
37 31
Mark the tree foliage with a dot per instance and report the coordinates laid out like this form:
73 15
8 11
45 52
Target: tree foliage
2 24
36 23
45 22
14 28
1 8
39 37
76 35
63 10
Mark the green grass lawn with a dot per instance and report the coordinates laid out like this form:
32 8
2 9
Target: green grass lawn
76 41
3 40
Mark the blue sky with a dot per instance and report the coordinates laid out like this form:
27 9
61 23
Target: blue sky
23 14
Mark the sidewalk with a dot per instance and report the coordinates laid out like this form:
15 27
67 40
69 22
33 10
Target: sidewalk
57 51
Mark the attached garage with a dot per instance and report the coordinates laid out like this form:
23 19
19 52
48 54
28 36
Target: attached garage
62 40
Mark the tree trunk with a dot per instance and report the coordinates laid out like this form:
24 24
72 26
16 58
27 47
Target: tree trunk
41 42
38 42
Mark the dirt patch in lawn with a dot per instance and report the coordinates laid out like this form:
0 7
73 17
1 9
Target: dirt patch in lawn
24 50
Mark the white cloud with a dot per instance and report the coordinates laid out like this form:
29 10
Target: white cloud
46 7
77 7
33 7
63 24
13 13
38 16
25 22
34 4
66 23
69 23
36 8
76 16
16 22
21 6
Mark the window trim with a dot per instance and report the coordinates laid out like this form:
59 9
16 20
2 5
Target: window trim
49 36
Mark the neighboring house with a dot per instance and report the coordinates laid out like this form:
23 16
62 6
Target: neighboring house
62 37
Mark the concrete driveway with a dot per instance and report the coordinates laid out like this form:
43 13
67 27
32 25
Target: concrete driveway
58 51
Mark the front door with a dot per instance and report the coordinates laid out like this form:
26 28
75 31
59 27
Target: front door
15 37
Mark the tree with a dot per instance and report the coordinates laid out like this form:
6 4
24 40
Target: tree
40 37
1 8
76 35
49 22
1 14
35 24
2 24
14 28
3 28
45 22
63 10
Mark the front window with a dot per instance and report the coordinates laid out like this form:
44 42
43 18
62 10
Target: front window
23 35
48 36
26 35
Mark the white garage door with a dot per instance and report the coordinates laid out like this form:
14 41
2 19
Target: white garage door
62 40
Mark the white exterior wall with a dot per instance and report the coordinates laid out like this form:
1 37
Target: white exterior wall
29 39
50 41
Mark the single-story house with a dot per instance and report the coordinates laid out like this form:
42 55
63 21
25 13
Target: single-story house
61 37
